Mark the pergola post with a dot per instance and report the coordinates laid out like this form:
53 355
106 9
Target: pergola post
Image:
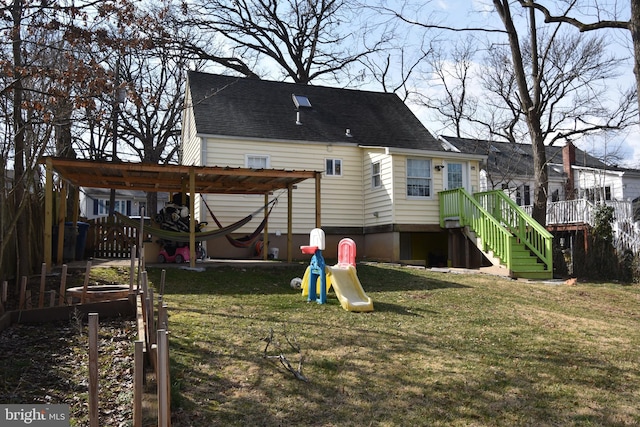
265 247
289 223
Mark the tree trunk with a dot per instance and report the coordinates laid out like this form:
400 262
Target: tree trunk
540 173
22 232
634 27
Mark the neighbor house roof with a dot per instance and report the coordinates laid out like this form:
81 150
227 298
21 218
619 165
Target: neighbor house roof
517 159
253 108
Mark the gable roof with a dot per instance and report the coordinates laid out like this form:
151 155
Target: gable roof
253 108
517 159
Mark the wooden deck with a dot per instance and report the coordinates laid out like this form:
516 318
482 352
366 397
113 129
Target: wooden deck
578 214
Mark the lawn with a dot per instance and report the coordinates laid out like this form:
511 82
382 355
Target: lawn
439 349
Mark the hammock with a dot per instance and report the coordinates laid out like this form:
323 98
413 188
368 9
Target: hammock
177 236
249 239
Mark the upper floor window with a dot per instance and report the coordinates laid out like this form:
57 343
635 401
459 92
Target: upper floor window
333 167
418 178
256 161
376 180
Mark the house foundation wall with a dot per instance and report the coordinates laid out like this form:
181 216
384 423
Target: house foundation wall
427 248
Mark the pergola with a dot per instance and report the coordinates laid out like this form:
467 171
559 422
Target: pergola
172 179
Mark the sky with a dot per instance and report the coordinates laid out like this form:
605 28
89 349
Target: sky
480 13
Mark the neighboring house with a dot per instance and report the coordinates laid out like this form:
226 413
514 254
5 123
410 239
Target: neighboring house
577 183
382 168
94 202
573 173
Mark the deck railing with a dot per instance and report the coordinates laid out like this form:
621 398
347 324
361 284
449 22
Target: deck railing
460 206
580 211
527 230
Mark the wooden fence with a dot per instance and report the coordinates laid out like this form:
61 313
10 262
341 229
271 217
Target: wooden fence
109 238
151 349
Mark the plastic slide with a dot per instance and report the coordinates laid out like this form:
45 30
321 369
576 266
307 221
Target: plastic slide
348 289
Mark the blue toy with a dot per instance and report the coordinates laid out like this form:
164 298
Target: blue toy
316 266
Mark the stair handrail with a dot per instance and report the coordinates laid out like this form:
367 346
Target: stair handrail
458 204
529 231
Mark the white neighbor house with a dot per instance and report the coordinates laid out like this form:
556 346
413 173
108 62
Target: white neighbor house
577 183
382 169
573 173
94 202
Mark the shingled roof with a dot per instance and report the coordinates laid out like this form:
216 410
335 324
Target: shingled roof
518 158
252 108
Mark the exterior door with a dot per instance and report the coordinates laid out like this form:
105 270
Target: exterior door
456 176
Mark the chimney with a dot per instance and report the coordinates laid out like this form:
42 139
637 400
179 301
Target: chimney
568 160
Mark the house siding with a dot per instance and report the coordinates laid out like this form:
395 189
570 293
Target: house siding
191 143
378 202
409 210
341 196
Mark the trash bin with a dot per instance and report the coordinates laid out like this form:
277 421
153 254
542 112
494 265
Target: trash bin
81 241
69 245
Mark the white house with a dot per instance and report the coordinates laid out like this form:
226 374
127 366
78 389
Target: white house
382 169
577 183
573 173
94 202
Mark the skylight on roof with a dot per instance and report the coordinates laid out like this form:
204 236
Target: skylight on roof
519 150
301 101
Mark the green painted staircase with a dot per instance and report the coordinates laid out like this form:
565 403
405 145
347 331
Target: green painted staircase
512 240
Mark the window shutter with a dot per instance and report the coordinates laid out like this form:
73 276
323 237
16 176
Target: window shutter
95 206
128 207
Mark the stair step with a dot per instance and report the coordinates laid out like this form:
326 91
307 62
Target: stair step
533 275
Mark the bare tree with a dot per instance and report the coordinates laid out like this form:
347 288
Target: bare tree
557 87
303 40
46 81
604 15
150 121
452 74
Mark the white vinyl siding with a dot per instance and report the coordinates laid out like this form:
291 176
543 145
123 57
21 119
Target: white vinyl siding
342 200
414 210
191 153
378 203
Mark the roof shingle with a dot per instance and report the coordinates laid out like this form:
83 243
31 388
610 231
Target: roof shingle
252 108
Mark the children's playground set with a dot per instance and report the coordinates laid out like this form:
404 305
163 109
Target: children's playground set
342 277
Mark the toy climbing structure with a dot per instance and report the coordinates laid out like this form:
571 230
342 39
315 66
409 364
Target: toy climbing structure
342 277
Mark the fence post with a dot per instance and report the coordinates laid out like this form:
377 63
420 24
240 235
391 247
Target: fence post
93 370
43 280
63 284
132 268
164 408
138 381
86 282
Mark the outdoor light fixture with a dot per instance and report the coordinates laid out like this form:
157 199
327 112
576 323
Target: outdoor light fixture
439 167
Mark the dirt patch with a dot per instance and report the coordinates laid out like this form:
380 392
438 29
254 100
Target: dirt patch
48 364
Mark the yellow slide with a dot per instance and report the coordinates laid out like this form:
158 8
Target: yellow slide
348 289
305 281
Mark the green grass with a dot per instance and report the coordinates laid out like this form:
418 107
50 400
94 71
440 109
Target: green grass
439 349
